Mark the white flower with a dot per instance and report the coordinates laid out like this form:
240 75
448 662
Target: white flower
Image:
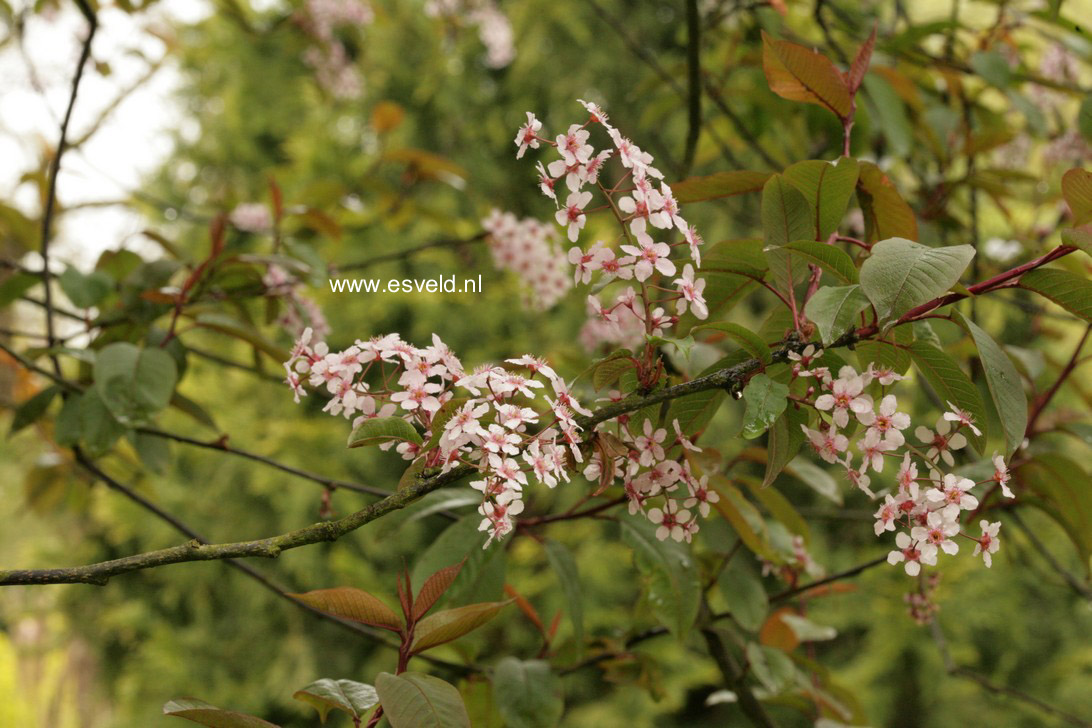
845 397
941 443
526 137
962 417
573 213
989 542
1001 475
650 256
670 520
887 422
691 291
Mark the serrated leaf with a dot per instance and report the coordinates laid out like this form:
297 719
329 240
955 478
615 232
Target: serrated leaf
416 700
377 430
564 565
951 384
201 712
451 624
835 309
751 342
352 604
527 693
799 74
1069 290
766 399
434 588
674 589
901 274
786 214
324 695
885 211
1004 383
831 259
718 185
827 187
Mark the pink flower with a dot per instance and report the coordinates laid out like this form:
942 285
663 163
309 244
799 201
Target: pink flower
886 515
573 213
650 256
701 495
989 543
845 397
827 443
527 135
962 417
670 520
887 422
691 291
650 444
1002 476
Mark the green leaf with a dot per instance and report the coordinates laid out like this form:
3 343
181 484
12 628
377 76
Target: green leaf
67 426
377 430
1077 191
324 695
201 712
741 257
901 274
674 590
893 121
993 67
744 594
154 452
527 693
886 214
766 400
1059 487
16 285
773 668
786 215
834 310
134 383
1069 290
718 185
606 371
243 331
816 478
831 259
751 342
888 351
99 429
778 506
1004 382
353 604
416 700
784 442
564 565
1079 237
744 518
29 411
827 187
85 290
800 74
451 624
808 631
1084 118
945 376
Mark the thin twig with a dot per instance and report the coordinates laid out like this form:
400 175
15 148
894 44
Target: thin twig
693 77
54 169
409 252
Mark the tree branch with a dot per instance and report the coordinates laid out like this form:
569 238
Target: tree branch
409 252
54 169
693 77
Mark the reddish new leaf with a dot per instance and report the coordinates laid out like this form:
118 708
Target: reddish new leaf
352 604
526 607
799 74
434 588
451 624
860 63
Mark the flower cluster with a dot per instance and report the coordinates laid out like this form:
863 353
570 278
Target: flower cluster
647 213
331 60
299 312
486 429
928 505
530 249
251 217
494 29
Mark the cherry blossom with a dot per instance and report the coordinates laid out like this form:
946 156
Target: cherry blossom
670 520
989 543
964 418
1001 475
527 135
691 291
572 214
845 397
886 421
650 257
942 442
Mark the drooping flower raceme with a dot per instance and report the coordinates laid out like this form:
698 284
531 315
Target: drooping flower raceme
532 250
651 228
926 508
